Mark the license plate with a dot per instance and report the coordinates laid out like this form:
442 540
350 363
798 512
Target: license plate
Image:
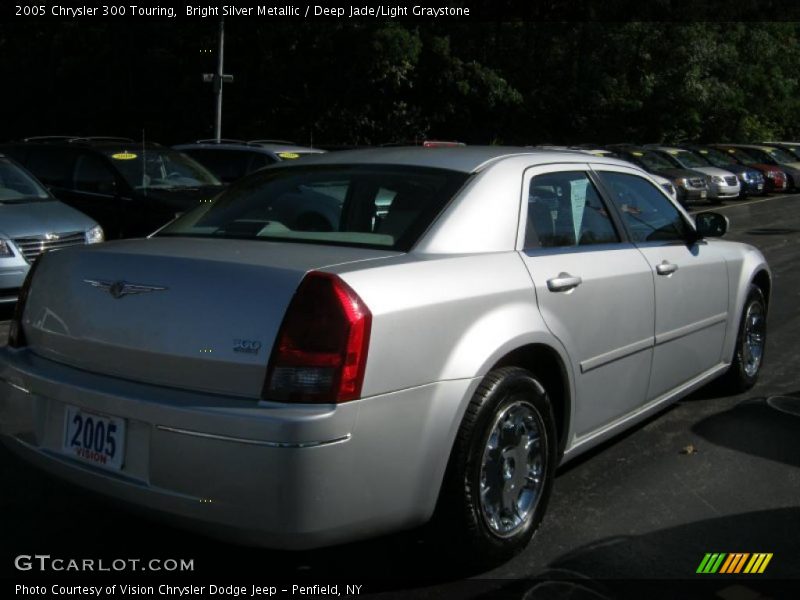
760 186
702 194
96 439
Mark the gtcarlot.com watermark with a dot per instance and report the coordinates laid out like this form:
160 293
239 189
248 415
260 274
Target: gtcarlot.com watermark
45 563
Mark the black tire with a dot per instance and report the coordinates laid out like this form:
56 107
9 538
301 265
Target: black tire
460 514
740 377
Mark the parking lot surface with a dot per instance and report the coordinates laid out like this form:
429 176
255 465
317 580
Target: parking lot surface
712 473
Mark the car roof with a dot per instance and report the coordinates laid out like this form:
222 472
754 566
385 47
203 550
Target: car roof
467 159
86 143
264 148
668 148
756 146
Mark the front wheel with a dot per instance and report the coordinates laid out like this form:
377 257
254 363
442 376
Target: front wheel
501 469
750 343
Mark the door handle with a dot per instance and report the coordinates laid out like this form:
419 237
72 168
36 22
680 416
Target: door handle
563 282
666 268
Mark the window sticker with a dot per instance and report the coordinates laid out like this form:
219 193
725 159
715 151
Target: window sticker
124 156
578 198
288 155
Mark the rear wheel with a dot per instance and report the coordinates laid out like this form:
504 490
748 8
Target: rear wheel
750 343
501 470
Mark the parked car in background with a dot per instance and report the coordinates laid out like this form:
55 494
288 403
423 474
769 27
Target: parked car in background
776 175
722 184
751 179
690 185
787 161
792 148
130 188
240 373
230 160
32 221
603 152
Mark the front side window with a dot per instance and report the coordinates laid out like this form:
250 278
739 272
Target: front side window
648 215
354 205
564 209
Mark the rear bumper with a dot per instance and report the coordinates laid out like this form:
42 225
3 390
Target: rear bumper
274 475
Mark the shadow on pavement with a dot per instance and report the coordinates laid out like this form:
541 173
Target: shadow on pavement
764 427
663 564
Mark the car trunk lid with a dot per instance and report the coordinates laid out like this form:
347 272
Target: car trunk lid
190 313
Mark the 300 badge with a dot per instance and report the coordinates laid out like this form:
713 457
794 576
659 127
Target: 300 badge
246 346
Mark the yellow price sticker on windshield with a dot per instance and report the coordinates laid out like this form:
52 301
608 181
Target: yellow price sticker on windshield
288 155
673 152
703 151
638 153
124 156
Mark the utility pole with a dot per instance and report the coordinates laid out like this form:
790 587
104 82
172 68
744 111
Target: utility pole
218 79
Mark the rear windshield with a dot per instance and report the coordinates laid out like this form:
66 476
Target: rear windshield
17 187
352 205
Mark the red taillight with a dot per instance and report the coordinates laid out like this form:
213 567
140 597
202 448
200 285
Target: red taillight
16 335
321 350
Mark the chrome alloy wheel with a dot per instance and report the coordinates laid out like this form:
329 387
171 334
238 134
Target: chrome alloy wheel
753 338
512 468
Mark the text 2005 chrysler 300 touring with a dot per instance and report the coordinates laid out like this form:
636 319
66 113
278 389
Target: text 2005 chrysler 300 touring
333 349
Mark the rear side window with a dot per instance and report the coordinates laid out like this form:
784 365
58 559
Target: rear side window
52 166
648 215
564 209
361 205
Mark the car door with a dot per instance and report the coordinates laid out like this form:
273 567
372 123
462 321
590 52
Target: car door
94 190
691 280
594 290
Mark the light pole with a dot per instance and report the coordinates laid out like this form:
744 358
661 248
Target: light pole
218 79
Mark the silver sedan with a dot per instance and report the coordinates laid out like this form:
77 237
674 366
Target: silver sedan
362 341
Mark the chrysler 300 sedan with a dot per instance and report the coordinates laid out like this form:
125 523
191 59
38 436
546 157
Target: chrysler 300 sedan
357 343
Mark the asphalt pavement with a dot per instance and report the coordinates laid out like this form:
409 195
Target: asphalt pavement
710 474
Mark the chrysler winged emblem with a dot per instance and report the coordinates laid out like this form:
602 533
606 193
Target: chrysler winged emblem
118 289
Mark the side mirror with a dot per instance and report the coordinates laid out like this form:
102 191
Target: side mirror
711 224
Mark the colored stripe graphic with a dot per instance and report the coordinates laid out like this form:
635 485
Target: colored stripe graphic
734 563
711 562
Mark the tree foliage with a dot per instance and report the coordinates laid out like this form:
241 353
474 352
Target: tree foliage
355 82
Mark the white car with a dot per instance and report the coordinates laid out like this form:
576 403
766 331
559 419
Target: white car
297 384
